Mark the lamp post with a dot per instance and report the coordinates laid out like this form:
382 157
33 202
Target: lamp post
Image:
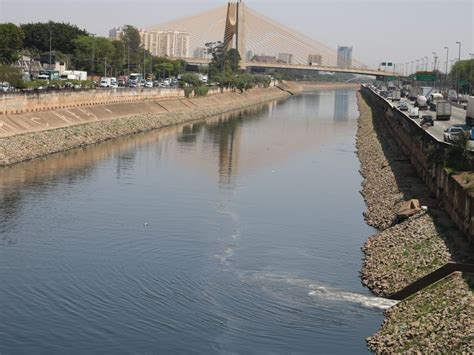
470 74
50 47
446 71
457 76
93 53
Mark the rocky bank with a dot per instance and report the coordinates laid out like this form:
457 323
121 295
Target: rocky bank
439 318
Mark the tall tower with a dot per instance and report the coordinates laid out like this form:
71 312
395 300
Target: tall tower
235 26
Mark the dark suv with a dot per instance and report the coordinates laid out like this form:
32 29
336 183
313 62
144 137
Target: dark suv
427 120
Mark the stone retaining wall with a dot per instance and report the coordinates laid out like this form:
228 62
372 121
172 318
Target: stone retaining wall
36 101
456 200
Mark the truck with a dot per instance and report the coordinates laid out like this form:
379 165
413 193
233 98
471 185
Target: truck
105 82
395 95
433 99
421 102
426 91
134 79
443 109
74 75
48 75
452 95
470 111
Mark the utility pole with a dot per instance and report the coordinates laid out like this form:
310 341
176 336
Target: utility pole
144 53
50 48
458 76
446 71
93 53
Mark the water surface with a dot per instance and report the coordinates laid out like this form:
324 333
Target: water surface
240 234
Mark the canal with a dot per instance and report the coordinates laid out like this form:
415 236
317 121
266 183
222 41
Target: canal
240 234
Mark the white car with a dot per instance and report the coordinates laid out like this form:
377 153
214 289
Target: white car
414 112
149 84
4 86
453 133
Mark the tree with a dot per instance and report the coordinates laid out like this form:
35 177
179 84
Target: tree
463 71
190 79
11 75
232 60
37 36
93 53
131 41
11 41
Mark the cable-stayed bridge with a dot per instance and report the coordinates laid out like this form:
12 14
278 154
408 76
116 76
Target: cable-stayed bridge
242 28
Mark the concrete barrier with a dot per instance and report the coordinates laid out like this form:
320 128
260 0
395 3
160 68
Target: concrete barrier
416 144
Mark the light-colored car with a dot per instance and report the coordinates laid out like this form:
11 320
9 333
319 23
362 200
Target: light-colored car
403 106
414 112
149 84
4 87
453 133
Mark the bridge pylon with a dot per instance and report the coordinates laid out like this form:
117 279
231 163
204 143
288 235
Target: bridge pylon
235 27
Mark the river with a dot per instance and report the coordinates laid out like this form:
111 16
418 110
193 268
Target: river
240 234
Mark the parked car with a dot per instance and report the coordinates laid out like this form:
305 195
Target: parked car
403 106
453 133
427 120
149 84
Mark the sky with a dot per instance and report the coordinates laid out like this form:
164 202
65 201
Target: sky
395 31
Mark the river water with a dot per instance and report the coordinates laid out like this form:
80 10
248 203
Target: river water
240 234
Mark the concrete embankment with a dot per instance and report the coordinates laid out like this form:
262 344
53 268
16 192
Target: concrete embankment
436 319
31 135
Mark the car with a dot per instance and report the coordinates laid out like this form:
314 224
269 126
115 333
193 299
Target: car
149 84
5 86
453 133
427 120
403 106
414 112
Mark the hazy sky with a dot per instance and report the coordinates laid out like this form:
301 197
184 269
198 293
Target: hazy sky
397 31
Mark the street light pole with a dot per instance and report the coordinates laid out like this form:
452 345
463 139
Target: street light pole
470 74
50 47
458 76
93 54
446 72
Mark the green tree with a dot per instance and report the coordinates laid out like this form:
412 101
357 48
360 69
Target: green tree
463 71
190 79
11 42
11 75
37 36
93 54
134 51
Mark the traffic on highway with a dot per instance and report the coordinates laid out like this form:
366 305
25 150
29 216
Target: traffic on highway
439 118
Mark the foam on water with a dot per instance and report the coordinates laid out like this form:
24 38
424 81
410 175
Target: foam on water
325 292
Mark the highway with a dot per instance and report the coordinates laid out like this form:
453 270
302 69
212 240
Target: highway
458 118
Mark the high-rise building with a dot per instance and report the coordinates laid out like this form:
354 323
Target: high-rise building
166 43
285 57
315 59
116 33
344 57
